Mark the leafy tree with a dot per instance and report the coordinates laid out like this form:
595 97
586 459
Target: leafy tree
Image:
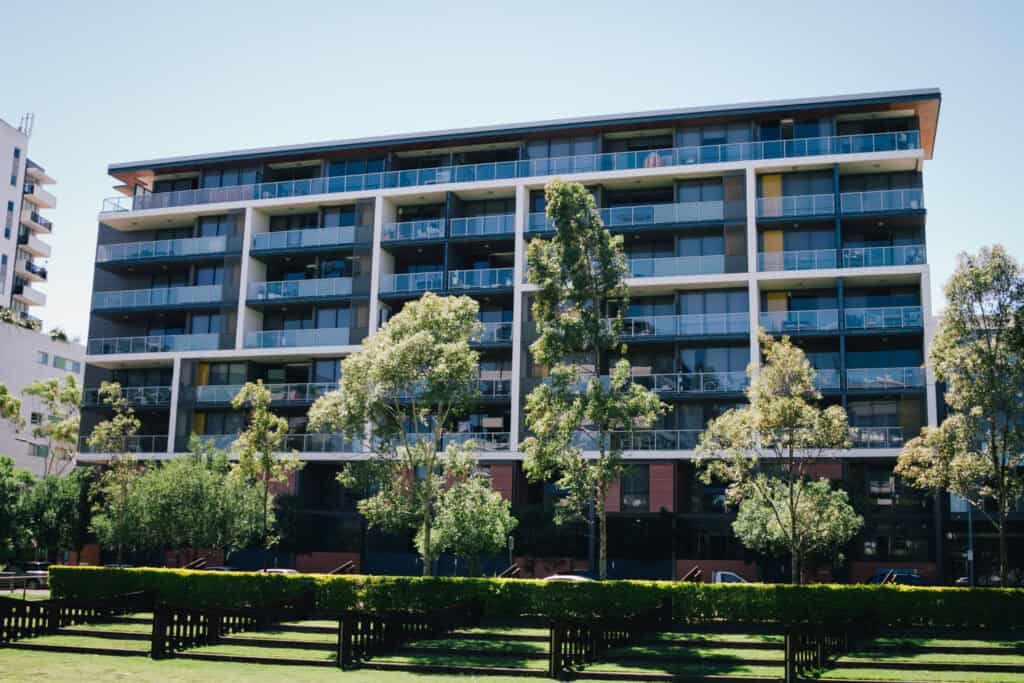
13 524
10 407
764 450
408 383
61 401
257 448
977 452
580 274
54 510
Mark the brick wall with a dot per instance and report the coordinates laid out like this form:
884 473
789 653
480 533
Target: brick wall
613 499
503 477
321 563
662 486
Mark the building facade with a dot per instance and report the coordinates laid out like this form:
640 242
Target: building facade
802 217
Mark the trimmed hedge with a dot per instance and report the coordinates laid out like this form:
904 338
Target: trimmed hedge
986 608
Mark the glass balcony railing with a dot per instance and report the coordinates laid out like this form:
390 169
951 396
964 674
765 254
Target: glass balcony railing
412 283
663 214
303 443
320 336
482 278
496 333
882 200
694 382
482 226
796 205
306 238
885 317
538 221
38 219
141 397
140 443
806 259
686 325
508 170
158 296
36 269
885 378
300 289
484 441
413 230
495 388
294 392
826 378
161 249
877 437
785 322
643 440
154 343
871 257
667 266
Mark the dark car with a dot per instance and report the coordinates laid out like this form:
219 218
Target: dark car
903 577
37 573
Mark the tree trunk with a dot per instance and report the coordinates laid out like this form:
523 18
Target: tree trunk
602 524
264 540
428 555
795 568
1003 562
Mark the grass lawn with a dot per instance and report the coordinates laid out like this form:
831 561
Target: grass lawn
930 676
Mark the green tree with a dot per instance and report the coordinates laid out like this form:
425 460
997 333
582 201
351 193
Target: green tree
10 407
54 509
59 429
764 451
13 523
407 384
977 453
257 449
580 274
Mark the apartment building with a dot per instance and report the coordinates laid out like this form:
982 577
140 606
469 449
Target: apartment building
803 217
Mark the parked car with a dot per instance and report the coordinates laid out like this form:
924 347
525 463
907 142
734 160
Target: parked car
278 570
572 578
727 577
223 569
903 577
119 565
37 573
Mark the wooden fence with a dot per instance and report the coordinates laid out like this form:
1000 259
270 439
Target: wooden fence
363 634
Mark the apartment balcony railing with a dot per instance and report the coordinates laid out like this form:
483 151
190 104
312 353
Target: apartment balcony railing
158 296
796 205
877 437
686 325
804 259
667 266
663 214
785 322
496 333
827 378
38 219
161 249
305 238
884 317
303 443
882 200
153 344
320 336
141 397
508 170
694 382
885 378
140 443
869 257
643 440
495 388
36 269
484 441
321 288
293 392
412 283
538 221
482 226
481 278
413 230
38 196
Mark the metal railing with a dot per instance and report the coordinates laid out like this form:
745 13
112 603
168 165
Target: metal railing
35 269
885 378
306 237
877 437
643 440
157 249
666 266
38 219
484 441
796 205
538 221
300 289
882 200
495 388
866 257
495 333
321 336
822 320
158 296
480 278
663 214
883 317
474 226
303 443
803 259
292 392
137 396
507 170
694 382
413 230
402 283
154 343
686 325
140 443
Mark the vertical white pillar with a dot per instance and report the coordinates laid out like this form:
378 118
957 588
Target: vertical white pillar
522 209
931 395
753 290
250 270
172 427
379 207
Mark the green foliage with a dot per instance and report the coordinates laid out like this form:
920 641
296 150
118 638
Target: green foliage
580 276
54 511
114 436
977 453
13 523
10 407
764 450
60 431
11 318
893 606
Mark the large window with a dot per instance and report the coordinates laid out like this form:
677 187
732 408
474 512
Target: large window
207 324
338 216
715 301
333 317
701 190
175 185
728 359
227 177
213 226
355 166
297 221
227 373
635 488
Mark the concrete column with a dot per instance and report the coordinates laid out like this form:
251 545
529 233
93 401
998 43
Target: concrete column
522 212
172 418
376 265
752 283
251 270
931 395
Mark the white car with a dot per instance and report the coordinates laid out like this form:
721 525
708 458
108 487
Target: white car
727 577
572 578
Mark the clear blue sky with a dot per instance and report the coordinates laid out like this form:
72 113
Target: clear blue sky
123 81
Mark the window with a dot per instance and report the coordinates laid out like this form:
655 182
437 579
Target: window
333 317
636 488
42 357
212 275
226 177
39 450
14 167
213 226
8 220
62 363
36 418
3 272
175 185
220 423
327 370
227 373
207 323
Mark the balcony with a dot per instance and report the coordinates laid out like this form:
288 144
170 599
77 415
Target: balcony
413 230
35 194
495 388
294 393
25 293
483 226
874 257
885 378
669 326
482 278
303 443
277 339
883 318
35 222
158 297
495 333
694 382
796 205
412 283
138 397
509 170
827 379
806 259
484 441
789 322
308 238
669 266
161 249
881 201
33 245
29 271
292 290
153 344
663 214
877 437
643 440
138 444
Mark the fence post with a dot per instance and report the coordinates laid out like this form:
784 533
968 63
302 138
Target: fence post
790 657
555 651
158 636
345 642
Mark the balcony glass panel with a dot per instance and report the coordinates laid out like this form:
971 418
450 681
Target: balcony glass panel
882 200
686 325
538 221
694 382
496 333
807 259
797 205
413 230
157 296
137 396
877 437
483 278
154 343
323 336
784 322
300 289
502 224
484 441
158 249
883 317
884 378
140 443
401 283
643 440
667 266
869 257
309 237
661 214
495 388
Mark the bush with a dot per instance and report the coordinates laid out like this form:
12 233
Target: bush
991 608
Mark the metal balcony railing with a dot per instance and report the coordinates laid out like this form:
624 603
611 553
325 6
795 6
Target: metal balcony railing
412 283
153 343
320 336
686 325
304 238
667 266
643 440
300 289
484 441
868 257
161 249
804 259
785 322
495 333
138 444
885 378
796 205
292 392
481 278
142 397
883 317
158 296
413 230
481 226
694 382
882 200
877 437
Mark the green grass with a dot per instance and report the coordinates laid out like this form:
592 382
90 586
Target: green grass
932 658
689 668
87 641
285 635
929 676
512 662
767 639
256 651
668 650
946 642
